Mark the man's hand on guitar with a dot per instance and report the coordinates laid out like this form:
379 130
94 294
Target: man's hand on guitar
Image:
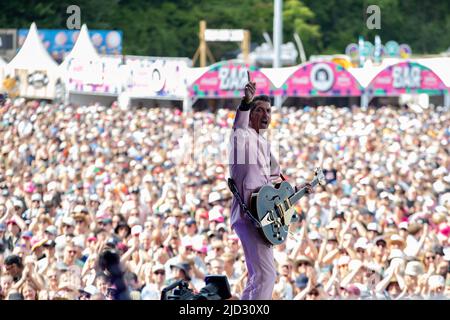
308 186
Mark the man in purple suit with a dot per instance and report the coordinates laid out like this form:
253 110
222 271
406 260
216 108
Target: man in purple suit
252 166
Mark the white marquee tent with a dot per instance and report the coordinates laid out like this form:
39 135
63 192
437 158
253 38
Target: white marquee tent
34 68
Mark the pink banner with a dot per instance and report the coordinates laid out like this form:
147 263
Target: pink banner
227 80
325 79
406 77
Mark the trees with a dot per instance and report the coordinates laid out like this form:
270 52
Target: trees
170 28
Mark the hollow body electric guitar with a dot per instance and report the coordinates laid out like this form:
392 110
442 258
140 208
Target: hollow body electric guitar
273 207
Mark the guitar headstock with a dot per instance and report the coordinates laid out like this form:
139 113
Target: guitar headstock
320 176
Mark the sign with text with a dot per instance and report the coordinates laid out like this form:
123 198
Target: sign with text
103 76
227 80
156 77
224 35
406 77
321 79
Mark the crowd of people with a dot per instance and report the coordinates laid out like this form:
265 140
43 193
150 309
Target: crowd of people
150 184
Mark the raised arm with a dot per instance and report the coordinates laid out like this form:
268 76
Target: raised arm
243 112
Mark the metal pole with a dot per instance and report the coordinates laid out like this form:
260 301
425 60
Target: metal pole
277 39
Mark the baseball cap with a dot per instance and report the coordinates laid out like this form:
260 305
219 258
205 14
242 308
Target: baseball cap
50 243
17 203
27 234
343 260
403 225
69 221
190 221
372 227
158 267
414 268
36 197
52 230
361 243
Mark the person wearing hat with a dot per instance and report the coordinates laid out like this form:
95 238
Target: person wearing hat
190 230
33 211
253 115
303 265
372 231
49 256
122 230
14 232
70 257
415 239
51 232
155 277
412 290
181 271
68 226
81 223
436 286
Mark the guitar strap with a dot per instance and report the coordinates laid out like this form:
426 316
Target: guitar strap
235 192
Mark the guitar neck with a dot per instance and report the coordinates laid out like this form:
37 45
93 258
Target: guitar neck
299 194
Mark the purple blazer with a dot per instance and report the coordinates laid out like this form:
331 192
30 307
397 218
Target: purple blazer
252 165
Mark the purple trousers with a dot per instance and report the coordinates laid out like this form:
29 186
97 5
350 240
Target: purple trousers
260 262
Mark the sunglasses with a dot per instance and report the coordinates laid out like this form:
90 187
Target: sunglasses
301 264
430 257
72 251
161 273
360 250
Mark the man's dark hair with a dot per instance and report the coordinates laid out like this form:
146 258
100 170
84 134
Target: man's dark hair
262 97
13 259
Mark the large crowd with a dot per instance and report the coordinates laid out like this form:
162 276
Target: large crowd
150 183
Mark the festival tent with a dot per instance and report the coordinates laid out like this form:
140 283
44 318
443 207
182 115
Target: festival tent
224 81
322 81
89 78
155 80
407 78
441 67
35 70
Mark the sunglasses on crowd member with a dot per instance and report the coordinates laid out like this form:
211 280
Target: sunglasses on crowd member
314 293
160 272
303 264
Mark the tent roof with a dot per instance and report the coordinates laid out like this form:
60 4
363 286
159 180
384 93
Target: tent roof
440 66
366 74
83 49
32 55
